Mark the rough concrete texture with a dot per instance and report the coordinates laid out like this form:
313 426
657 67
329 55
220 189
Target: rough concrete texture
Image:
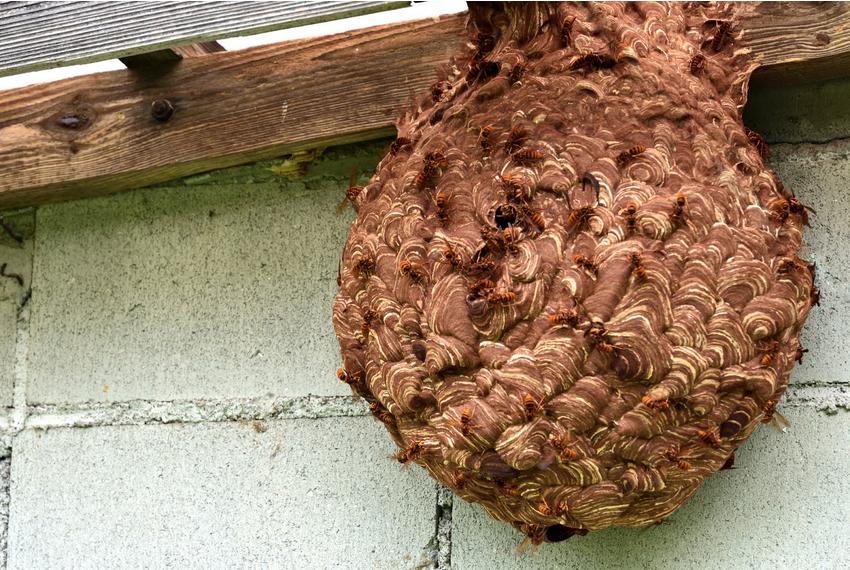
813 112
8 334
301 494
784 506
189 291
14 293
143 412
818 174
4 508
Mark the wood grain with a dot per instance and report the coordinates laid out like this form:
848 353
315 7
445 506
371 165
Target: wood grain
42 35
797 42
237 107
230 108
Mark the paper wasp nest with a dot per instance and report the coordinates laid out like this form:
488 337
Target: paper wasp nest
571 290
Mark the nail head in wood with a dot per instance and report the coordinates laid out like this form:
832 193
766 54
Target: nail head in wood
162 109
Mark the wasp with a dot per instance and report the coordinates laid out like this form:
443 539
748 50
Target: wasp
483 285
678 208
710 437
442 203
720 33
534 218
459 480
637 266
771 415
567 29
569 318
483 70
501 298
796 207
656 404
495 240
369 316
592 61
515 138
453 258
351 194
814 295
439 89
798 356
534 534
630 211
513 189
414 273
428 173
364 267
563 446
481 266
516 72
398 144
696 64
532 407
757 141
627 155
483 42
505 488
589 265
463 424
527 156
402 458
598 334
782 209
381 414
769 353
486 141
547 511
672 455
414 449
436 159
349 377
579 217
511 237
788 265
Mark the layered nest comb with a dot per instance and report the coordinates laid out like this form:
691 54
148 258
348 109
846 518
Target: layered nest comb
572 288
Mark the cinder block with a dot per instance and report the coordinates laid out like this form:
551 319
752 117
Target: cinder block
819 175
8 335
188 292
784 506
813 112
280 495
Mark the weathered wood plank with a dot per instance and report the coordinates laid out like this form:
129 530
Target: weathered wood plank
237 107
92 135
41 35
797 41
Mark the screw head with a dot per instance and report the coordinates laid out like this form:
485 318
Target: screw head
162 109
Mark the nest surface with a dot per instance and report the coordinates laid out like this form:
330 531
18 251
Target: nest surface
571 290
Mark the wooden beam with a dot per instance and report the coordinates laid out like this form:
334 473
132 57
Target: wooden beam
42 35
94 135
797 42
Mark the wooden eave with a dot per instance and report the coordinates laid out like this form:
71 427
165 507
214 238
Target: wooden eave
95 135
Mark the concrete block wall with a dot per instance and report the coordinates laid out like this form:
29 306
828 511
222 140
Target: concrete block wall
167 379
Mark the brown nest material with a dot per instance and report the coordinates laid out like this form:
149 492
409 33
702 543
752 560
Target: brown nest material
572 288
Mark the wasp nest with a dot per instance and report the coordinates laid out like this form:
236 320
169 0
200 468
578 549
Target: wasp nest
571 290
